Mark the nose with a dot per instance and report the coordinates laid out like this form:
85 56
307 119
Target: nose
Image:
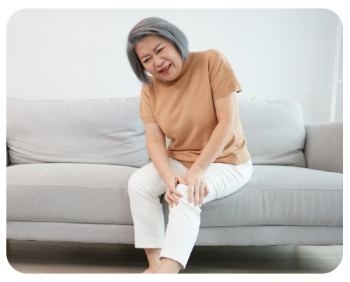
158 60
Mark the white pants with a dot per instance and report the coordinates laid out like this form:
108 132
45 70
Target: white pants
145 187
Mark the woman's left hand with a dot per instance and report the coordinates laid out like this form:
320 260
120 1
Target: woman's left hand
197 186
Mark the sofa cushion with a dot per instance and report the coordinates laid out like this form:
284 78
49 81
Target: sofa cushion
99 131
274 131
67 192
110 131
281 195
86 193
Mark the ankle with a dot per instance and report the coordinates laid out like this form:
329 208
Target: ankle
153 258
151 270
169 266
155 266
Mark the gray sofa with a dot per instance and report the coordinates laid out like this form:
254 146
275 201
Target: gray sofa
69 163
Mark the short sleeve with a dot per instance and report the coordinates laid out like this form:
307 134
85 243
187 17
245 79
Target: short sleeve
145 108
223 80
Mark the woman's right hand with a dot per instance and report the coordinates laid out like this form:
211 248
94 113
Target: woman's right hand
156 146
171 181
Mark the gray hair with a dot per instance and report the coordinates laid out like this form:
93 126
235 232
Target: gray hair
154 26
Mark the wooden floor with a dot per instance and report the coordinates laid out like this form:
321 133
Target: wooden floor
66 257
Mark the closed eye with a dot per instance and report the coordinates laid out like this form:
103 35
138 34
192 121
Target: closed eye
160 49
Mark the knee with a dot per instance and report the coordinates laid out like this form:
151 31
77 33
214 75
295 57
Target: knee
185 210
141 184
183 189
133 183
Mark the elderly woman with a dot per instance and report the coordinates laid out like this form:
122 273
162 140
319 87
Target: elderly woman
190 98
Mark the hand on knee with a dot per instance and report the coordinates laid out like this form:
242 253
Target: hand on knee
172 194
197 186
190 195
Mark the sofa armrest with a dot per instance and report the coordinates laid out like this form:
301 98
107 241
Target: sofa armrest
324 146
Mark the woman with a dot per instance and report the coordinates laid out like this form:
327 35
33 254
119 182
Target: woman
190 98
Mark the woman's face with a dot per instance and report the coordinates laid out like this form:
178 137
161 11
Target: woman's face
159 57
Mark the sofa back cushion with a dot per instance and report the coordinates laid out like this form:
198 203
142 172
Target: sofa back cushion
274 131
110 131
98 131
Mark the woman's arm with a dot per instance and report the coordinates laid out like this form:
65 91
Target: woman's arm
155 140
156 145
227 115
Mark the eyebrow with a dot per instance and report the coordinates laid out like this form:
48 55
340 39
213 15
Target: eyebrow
152 50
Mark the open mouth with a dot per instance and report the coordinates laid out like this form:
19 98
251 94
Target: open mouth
165 70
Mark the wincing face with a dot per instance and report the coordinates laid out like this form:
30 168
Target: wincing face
159 57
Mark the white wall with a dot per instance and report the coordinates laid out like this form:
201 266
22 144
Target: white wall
80 53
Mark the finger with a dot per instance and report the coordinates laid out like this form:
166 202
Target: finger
201 195
171 200
167 200
172 188
197 188
206 191
175 192
190 192
181 179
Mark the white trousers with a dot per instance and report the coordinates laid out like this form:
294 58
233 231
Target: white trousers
146 185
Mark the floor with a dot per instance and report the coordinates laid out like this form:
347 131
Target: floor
67 257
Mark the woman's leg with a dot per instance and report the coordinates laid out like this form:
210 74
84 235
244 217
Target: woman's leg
225 179
184 219
153 260
182 229
144 188
169 266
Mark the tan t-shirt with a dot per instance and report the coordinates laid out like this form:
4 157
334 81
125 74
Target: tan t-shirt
184 108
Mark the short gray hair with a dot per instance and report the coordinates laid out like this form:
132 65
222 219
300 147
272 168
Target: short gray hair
154 26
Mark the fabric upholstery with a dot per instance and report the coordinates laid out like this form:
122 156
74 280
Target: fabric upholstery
324 146
267 235
69 193
99 131
110 131
70 162
274 131
212 236
85 193
281 195
70 232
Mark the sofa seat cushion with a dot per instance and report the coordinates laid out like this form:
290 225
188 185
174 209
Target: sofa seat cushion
281 195
87 193
67 192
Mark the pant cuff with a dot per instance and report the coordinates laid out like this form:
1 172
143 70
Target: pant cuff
182 259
